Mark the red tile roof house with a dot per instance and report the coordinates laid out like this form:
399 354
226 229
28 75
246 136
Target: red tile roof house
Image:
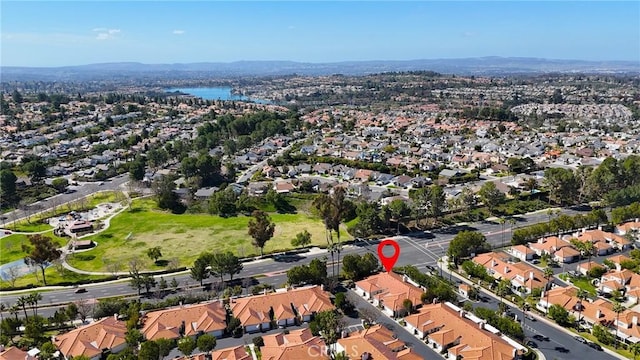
584 267
445 326
286 307
388 290
90 340
232 353
548 245
208 318
522 252
522 276
627 227
14 353
298 344
374 343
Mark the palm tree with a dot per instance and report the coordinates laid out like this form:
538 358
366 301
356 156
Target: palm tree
581 295
22 302
14 310
617 308
548 274
34 298
502 221
503 288
3 308
525 307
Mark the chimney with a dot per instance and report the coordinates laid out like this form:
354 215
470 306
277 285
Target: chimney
531 275
598 314
634 320
461 313
481 325
115 316
599 227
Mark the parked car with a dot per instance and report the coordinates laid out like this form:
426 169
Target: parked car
562 349
535 261
581 339
530 317
80 290
594 346
531 344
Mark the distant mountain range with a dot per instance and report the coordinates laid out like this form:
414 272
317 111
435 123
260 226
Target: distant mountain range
492 65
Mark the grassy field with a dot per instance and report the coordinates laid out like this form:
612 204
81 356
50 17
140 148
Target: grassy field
184 237
54 277
11 246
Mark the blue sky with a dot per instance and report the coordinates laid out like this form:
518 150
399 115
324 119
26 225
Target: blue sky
55 33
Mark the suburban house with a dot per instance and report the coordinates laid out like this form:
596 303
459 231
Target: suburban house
283 307
628 227
388 290
617 260
205 192
522 252
14 353
599 311
208 318
449 328
548 245
584 267
624 279
523 277
604 241
566 255
93 340
232 353
298 344
377 343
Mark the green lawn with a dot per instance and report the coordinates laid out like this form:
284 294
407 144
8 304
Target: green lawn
54 277
584 284
185 236
11 246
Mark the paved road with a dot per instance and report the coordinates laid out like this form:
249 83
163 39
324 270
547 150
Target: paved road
418 251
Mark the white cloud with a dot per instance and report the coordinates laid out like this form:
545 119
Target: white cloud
105 33
178 32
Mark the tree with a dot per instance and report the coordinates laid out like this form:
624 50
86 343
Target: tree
34 328
503 289
559 314
602 334
200 269
154 253
407 306
302 239
174 284
635 350
186 345
548 274
617 308
33 300
491 196
166 197
137 169
562 185
261 229
8 186
42 252
356 267
437 201
133 337
225 263
148 281
582 296
165 346
60 184
328 325
206 342
399 209
22 302
314 273
466 243
149 350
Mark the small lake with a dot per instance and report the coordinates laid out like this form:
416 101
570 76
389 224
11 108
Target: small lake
215 93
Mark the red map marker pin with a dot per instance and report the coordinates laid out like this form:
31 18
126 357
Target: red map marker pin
388 262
